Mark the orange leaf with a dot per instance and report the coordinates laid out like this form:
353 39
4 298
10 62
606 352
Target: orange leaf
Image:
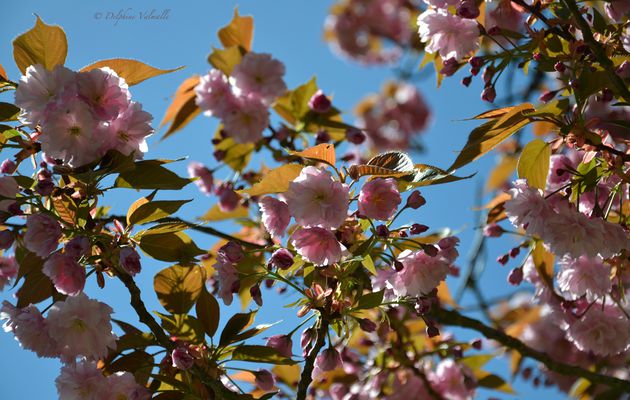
239 32
322 152
183 108
132 71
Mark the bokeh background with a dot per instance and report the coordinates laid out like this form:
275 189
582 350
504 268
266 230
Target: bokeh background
291 30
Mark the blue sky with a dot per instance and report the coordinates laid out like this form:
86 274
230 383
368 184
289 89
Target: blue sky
291 30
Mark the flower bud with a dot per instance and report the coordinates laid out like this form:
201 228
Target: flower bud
560 67
450 66
466 81
282 343
232 251
515 252
254 291
328 360
432 331
516 276
228 198
319 103
264 380
305 340
415 200
489 94
367 325
417 229
355 136
382 231
130 260
492 230
503 259
487 75
624 70
7 167
281 258
468 9
547 96
430 250
182 359
322 137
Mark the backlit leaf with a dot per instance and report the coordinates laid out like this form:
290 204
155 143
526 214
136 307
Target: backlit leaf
132 71
275 181
178 287
154 210
43 44
183 326
173 247
225 59
324 152
239 32
236 324
215 214
208 312
150 174
533 163
501 173
8 112
183 108
260 354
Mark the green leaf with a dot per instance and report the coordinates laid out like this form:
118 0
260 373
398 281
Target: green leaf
215 214
9 112
208 312
494 382
533 163
237 155
150 174
477 361
43 44
154 210
368 263
490 134
370 300
236 324
183 326
260 354
173 247
275 181
132 71
293 106
178 287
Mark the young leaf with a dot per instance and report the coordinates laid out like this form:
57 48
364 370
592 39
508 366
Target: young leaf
43 44
495 382
132 71
183 326
150 174
183 108
8 112
275 181
236 324
501 173
391 164
215 214
324 152
208 312
239 32
533 164
370 300
260 354
154 210
237 155
172 247
178 287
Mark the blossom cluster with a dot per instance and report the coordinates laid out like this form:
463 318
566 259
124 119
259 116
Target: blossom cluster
81 115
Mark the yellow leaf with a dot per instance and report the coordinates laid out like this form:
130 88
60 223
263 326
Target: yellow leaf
543 261
215 214
275 181
444 294
183 108
237 155
533 164
322 152
239 32
43 44
501 173
132 71
287 374
225 59
178 287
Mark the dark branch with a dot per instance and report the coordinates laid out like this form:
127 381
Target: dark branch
309 362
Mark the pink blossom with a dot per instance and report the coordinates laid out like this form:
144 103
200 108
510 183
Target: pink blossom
618 9
81 327
441 3
214 94
328 360
228 198
584 276
205 179
246 121
604 332
104 91
72 135
558 172
8 270
281 258
260 75
528 209
77 247
38 87
406 386
30 329
227 278
42 234
123 386
130 260
504 16
317 245
66 273
8 190
573 233
128 132
82 381
232 251
316 199
448 34
282 343
452 381
422 273
379 199
275 215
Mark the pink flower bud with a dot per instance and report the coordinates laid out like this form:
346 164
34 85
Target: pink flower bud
228 198
355 136
6 239
264 380
205 179
322 137
466 81
305 340
282 343
233 251
476 62
516 276
319 103
450 66
515 252
254 291
415 200
503 259
487 75
547 96
328 360
417 229
624 70
489 94
77 247
7 167
182 358
281 258
130 260
559 66
367 325
492 230
432 331
468 9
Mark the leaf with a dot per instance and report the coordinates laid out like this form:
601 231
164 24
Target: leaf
489 135
225 59
543 261
293 106
390 164
324 152
154 210
368 263
287 374
140 363
477 361
495 382
167 227
370 300
150 174
183 326
215 214
66 208
501 173
9 112
178 287
182 109
173 247
208 312
132 71
43 44
239 32
275 181
237 155
426 175
236 324
533 164
37 287
260 354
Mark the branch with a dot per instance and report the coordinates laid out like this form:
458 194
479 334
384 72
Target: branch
144 315
598 50
538 14
309 362
453 318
